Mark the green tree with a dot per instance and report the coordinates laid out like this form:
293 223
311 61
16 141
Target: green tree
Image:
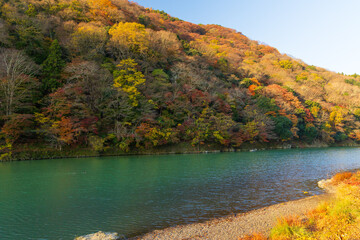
310 133
340 137
160 75
52 68
282 127
144 20
157 86
267 104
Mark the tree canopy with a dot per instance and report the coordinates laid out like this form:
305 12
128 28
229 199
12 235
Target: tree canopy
111 74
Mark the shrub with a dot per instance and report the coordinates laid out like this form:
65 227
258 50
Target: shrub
335 219
286 64
357 113
288 228
97 143
310 104
352 82
246 82
340 177
311 67
302 77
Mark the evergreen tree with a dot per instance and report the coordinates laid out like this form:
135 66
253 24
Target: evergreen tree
52 68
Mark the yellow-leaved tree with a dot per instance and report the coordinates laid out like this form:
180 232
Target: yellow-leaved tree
128 78
336 117
89 38
127 38
5 147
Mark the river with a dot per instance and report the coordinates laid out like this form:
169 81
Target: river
65 198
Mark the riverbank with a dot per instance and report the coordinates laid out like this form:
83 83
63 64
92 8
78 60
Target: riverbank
333 215
30 152
233 227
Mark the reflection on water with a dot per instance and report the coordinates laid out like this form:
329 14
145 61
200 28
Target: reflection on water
60 199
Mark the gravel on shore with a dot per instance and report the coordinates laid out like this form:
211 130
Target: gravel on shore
235 226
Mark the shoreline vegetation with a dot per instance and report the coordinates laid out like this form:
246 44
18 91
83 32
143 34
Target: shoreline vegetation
37 153
336 218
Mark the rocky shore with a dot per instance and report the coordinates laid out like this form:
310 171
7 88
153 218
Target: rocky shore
235 226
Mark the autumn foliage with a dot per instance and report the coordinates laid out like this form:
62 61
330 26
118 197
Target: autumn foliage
111 74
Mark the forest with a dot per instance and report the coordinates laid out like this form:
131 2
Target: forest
105 76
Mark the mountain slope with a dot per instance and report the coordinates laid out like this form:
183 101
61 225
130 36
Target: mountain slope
110 74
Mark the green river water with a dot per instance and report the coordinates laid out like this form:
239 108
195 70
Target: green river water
65 198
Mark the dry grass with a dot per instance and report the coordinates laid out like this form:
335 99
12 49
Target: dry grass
255 236
340 177
336 219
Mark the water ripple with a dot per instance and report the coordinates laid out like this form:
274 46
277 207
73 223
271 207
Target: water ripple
60 199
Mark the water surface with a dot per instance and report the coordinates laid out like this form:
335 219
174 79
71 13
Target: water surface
64 198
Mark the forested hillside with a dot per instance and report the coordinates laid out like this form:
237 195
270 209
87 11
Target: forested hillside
111 75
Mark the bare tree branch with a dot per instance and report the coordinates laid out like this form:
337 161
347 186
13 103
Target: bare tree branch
15 70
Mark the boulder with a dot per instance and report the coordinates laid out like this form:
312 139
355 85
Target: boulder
327 185
101 236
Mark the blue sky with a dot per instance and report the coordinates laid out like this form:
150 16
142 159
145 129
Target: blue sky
324 33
